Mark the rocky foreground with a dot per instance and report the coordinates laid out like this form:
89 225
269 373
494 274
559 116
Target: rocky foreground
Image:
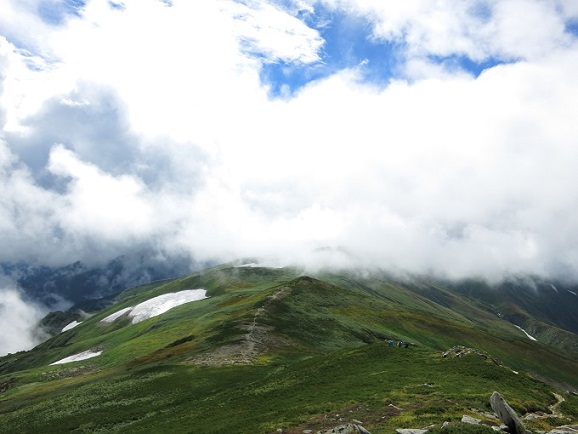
504 420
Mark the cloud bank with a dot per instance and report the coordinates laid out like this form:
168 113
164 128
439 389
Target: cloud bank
18 319
151 124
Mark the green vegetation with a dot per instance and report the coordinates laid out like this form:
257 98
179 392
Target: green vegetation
315 393
271 349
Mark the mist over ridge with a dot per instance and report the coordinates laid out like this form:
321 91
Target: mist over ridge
420 138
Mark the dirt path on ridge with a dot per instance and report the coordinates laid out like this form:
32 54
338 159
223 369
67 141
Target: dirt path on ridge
257 340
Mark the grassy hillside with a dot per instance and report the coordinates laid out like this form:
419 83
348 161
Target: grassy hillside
274 349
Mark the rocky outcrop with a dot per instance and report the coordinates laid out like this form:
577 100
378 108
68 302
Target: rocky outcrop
511 422
506 414
461 351
350 428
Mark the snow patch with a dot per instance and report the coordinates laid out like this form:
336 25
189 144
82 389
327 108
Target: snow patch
554 288
116 315
77 357
157 305
573 293
162 303
71 325
529 336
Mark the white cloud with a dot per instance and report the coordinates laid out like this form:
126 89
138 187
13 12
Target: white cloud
18 319
97 204
274 34
504 29
26 211
165 135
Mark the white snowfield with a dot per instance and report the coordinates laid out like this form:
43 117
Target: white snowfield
116 315
157 305
77 357
527 334
70 326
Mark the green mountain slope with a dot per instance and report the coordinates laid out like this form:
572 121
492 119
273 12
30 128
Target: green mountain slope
274 349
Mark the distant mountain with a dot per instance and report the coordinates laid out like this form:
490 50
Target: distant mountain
268 350
544 309
528 298
88 287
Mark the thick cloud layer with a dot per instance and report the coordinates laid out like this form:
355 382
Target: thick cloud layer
18 319
150 123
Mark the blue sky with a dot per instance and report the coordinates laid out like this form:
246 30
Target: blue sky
56 12
572 26
348 43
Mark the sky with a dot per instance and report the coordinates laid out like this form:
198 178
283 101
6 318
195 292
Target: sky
429 136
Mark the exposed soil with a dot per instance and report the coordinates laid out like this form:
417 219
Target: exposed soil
257 340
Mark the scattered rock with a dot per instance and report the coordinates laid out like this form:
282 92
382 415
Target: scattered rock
566 429
410 431
507 414
471 420
461 351
350 428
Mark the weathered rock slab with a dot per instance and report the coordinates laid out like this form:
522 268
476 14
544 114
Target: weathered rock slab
410 431
566 429
471 420
506 414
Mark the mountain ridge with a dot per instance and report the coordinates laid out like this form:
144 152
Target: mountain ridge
263 330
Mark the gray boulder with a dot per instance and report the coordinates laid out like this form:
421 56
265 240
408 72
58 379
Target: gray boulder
470 420
506 414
